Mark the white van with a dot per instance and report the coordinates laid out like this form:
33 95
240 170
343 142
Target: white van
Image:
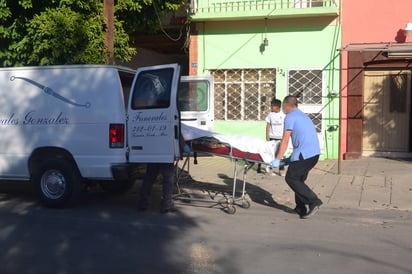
196 101
64 125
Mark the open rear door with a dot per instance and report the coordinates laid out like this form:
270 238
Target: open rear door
153 115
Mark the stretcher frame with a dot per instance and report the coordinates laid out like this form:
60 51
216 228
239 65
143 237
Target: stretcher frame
228 202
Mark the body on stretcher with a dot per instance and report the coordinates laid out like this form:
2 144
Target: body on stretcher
210 143
212 146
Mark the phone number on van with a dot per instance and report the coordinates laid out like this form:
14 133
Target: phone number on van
150 130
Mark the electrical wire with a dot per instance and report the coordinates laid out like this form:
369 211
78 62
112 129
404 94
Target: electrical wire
161 27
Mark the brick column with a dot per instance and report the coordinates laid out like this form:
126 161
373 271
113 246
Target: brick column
355 79
193 54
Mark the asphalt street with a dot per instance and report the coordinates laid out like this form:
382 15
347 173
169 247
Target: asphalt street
106 234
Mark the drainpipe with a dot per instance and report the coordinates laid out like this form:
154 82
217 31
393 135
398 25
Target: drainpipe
340 115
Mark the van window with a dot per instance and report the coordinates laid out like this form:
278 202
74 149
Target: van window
152 89
193 96
126 79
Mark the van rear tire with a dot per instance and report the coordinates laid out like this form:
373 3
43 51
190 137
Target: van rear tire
57 182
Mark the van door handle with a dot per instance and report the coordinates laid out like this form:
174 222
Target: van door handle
189 119
176 132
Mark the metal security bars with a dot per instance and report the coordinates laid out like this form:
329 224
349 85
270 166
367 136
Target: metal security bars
243 94
307 85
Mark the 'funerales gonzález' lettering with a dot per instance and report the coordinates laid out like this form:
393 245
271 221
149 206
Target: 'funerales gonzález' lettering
32 118
139 117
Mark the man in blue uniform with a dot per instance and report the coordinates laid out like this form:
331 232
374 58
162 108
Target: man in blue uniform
299 127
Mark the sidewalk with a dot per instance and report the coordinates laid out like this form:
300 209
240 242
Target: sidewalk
367 183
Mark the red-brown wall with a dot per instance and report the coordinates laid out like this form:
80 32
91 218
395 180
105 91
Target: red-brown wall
365 21
374 21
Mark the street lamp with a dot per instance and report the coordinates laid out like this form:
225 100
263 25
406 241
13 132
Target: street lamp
408 29
265 40
408 32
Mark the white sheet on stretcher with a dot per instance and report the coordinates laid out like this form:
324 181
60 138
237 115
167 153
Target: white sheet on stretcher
265 149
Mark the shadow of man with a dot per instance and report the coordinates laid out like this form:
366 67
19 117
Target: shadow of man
255 193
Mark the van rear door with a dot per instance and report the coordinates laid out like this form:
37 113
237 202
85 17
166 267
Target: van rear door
153 116
196 101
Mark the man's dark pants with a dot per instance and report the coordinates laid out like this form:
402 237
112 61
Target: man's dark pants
153 170
296 176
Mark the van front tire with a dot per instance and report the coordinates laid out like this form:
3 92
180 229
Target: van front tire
57 182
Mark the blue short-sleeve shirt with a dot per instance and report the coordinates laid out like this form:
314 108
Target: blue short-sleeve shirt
304 137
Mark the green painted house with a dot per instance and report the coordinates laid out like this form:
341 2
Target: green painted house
261 49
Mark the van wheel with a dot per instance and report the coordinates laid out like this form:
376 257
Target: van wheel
57 182
117 187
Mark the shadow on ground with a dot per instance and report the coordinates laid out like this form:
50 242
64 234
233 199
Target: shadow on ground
224 190
102 233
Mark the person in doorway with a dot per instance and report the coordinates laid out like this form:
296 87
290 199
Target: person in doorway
167 171
306 149
274 126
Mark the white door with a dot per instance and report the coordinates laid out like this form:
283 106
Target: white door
153 115
196 101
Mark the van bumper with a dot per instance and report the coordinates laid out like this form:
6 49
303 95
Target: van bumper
128 171
121 171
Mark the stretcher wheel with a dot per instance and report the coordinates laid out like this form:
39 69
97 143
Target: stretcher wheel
186 198
245 204
231 209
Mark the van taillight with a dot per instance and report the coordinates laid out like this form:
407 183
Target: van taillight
116 135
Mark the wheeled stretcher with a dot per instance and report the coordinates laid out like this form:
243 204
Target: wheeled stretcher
210 145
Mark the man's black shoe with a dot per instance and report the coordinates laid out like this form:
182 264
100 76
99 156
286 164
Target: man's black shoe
167 207
313 208
167 210
301 211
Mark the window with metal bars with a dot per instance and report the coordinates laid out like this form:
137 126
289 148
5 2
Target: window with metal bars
243 94
307 85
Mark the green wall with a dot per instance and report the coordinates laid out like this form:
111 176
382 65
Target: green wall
306 46
250 128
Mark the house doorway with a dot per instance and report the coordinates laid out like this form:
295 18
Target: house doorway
387 112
